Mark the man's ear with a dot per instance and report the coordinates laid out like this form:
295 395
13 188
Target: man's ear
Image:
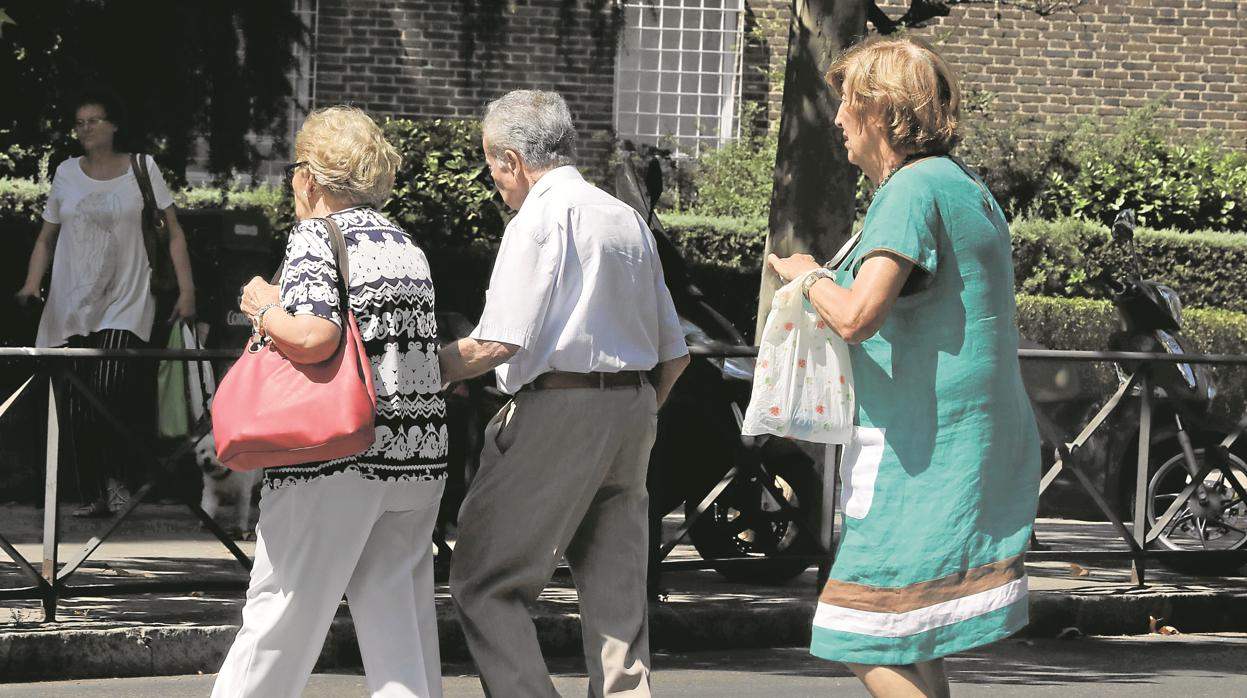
511 159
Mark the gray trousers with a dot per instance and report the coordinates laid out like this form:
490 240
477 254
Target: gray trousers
562 475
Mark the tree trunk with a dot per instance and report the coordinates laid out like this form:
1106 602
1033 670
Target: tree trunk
812 202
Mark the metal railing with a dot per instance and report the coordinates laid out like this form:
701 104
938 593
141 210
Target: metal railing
1137 537
50 581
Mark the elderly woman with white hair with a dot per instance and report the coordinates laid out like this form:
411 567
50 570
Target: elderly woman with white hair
941 480
360 525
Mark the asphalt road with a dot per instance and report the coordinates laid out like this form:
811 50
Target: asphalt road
1185 666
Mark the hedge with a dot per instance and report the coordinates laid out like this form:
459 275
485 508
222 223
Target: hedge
1086 324
1056 258
1051 258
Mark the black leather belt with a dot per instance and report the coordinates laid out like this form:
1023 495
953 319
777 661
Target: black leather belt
562 380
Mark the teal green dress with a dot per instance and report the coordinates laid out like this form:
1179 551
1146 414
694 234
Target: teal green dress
941 481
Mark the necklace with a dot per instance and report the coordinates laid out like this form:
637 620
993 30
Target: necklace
915 157
891 172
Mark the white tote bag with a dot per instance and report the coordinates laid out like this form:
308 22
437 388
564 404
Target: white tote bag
802 383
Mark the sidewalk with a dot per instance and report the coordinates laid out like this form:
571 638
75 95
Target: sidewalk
153 634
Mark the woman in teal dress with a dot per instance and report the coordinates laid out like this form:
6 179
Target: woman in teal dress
941 479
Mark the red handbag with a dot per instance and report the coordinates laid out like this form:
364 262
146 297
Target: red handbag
269 411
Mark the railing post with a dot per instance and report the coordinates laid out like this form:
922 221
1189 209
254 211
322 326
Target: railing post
50 518
1138 568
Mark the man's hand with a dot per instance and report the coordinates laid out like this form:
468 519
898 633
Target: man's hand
790 268
255 295
469 358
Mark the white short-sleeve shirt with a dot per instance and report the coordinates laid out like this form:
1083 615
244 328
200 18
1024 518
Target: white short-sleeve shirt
101 278
578 286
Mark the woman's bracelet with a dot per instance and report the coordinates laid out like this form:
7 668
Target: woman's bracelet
259 317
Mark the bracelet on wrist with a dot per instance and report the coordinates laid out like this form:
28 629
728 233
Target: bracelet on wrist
259 318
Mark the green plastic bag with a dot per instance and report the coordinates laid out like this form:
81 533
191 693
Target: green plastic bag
173 418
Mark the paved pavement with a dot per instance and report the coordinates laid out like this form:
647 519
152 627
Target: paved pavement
1191 666
184 633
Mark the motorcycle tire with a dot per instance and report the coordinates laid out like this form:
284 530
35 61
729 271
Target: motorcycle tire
1222 529
746 521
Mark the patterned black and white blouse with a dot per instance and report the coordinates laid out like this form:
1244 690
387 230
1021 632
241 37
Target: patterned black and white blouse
392 298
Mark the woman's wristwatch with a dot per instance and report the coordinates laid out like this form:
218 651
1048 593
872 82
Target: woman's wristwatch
812 278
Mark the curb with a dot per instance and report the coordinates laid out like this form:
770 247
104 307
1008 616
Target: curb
169 650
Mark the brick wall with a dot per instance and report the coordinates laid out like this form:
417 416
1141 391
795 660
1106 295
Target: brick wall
766 54
1100 60
448 58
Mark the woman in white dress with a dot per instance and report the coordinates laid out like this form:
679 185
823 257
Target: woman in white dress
100 294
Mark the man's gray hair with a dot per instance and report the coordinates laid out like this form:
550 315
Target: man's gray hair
534 123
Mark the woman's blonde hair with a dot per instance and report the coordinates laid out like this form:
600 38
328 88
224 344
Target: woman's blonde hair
908 85
347 154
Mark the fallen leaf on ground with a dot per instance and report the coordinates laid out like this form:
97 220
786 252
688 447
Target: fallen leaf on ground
1076 570
1155 628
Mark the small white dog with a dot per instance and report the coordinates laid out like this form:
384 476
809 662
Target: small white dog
223 484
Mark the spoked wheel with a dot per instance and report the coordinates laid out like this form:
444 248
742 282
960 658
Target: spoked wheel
748 521
1217 522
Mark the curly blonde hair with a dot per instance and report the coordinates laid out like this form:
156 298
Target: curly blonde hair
347 154
906 83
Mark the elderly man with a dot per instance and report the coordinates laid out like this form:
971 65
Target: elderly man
580 326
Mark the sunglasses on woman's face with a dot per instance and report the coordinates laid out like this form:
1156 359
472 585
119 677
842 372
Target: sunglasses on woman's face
290 170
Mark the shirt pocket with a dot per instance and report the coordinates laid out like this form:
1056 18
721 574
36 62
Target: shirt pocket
859 469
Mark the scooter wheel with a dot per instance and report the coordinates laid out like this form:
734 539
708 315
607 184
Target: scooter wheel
1218 523
768 543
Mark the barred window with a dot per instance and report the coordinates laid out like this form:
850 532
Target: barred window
678 70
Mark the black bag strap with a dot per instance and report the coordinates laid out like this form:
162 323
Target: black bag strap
138 163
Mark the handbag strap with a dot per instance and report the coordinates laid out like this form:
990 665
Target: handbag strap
138 164
845 251
338 243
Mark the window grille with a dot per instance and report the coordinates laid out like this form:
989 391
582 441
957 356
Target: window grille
303 77
677 75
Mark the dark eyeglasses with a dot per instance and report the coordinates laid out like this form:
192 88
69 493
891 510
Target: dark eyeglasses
290 170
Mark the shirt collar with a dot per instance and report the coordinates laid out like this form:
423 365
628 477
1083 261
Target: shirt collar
566 173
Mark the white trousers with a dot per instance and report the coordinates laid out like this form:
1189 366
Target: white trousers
317 540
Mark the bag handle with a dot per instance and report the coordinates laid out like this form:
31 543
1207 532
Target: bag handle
138 163
338 243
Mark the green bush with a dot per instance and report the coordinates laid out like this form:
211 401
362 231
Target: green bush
1058 258
22 200
273 202
734 243
1171 182
441 195
1015 159
1086 324
735 179
1051 258
1092 171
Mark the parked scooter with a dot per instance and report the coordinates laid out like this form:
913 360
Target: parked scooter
742 497
1197 484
